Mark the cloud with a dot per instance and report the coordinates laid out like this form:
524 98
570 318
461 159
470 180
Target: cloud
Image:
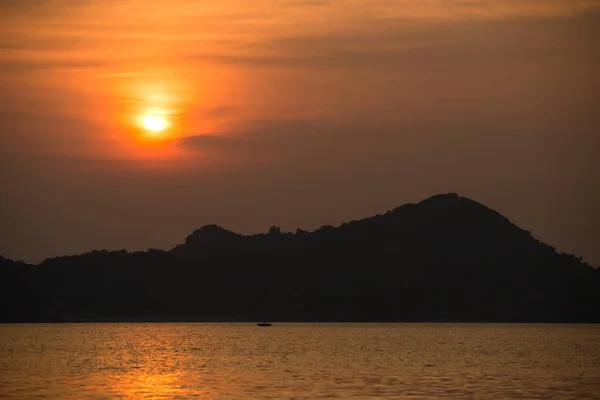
221 112
259 139
20 65
210 141
390 43
292 142
307 3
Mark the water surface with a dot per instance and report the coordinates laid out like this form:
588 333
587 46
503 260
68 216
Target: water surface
242 361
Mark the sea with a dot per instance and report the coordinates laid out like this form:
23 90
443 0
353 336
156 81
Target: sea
299 361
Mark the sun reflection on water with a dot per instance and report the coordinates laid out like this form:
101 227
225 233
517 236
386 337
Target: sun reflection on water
218 361
152 386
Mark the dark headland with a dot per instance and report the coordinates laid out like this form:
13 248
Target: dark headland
447 258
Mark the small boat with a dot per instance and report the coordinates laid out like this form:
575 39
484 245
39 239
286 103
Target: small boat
264 323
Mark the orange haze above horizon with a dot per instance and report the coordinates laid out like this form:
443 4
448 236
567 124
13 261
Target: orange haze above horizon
291 113
194 61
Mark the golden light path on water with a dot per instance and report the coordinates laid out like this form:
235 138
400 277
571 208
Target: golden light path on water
308 361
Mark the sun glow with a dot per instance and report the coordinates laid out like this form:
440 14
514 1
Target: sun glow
154 123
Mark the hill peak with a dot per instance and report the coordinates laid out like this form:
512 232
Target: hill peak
457 203
209 234
446 258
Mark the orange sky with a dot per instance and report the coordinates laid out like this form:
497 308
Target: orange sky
292 113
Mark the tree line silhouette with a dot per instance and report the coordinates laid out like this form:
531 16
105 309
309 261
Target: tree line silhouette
447 258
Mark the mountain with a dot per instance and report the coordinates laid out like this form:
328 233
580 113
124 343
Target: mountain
447 258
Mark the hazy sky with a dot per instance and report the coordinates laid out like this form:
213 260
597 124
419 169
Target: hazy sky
292 113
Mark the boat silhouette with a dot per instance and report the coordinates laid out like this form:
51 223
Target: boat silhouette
264 323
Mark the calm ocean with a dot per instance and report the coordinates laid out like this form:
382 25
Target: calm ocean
299 361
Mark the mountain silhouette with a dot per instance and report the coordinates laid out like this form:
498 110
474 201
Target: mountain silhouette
447 258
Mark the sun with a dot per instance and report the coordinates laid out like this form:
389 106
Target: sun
154 123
